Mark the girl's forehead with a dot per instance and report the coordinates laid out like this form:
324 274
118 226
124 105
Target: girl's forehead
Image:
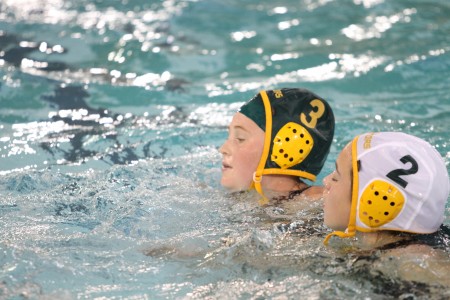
345 157
242 122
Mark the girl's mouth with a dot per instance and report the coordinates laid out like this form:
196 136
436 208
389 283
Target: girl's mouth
226 166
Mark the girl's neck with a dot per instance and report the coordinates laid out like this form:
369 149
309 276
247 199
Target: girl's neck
275 186
370 240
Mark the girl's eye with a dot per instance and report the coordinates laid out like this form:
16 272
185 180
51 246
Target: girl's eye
333 177
240 140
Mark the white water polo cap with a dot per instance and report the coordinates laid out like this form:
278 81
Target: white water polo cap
400 183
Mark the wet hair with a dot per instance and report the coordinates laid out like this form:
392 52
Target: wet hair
359 166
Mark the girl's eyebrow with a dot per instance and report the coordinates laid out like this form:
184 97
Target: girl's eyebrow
239 127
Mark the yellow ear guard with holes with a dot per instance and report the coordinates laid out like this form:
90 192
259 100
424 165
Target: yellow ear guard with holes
402 185
291 145
380 203
299 129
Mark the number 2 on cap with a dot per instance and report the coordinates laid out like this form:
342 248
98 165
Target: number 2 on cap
395 174
314 115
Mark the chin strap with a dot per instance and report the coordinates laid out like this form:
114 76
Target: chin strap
257 185
340 234
351 228
257 176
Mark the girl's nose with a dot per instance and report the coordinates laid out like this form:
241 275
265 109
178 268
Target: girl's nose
224 148
326 181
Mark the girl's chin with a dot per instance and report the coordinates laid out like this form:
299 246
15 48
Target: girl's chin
228 187
232 187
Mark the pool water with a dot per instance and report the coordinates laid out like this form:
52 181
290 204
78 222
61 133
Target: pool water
111 115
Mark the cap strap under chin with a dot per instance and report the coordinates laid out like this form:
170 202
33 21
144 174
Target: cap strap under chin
257 176
340 234
351 227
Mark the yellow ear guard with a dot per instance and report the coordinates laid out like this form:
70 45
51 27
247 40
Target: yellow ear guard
291 145
380 203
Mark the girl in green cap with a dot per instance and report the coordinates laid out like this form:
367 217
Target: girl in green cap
276 140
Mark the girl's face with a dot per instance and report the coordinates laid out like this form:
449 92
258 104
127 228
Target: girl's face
241 153
338 192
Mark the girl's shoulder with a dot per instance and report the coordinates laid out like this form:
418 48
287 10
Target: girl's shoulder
424 258
416 262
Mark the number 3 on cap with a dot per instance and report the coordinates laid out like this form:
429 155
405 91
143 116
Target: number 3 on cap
314 115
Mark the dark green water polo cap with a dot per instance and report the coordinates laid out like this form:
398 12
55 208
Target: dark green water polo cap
299 129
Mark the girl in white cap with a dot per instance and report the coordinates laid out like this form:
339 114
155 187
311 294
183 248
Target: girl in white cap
388 187
276 140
